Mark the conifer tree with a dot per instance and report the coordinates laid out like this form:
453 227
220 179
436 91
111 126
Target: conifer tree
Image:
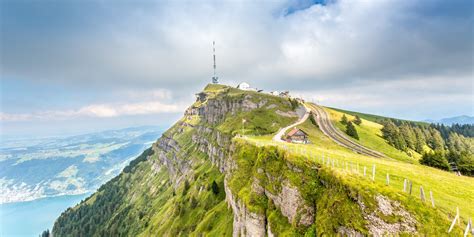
344 119
357 120
351 130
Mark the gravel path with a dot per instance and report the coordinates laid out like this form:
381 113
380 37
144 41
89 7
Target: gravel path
282 131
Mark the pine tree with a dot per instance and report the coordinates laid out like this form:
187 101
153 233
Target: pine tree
420 140
357 120
351 130
408 135
344 119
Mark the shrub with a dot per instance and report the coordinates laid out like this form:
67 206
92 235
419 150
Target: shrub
344 119
357 120
435 159
215 187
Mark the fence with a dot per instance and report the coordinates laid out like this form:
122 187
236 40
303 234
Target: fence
354 168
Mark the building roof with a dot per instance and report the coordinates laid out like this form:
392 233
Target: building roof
243 86
295 130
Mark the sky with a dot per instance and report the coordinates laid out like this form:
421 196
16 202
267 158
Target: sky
78 66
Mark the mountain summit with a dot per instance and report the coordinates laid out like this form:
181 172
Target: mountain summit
219 172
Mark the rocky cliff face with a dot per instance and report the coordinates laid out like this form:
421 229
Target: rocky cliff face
266 194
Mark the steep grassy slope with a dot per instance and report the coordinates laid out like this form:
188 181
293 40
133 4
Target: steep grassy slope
450 191
168 190
370 135
202 177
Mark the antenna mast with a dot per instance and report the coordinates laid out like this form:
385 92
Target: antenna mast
215 79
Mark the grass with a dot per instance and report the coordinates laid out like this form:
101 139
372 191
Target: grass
449 191
152 204
374 118
370 135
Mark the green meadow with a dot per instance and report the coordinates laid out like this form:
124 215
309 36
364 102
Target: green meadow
449 190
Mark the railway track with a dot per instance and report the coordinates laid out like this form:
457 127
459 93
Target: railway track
326 126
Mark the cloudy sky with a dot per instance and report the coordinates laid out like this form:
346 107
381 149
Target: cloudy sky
82 65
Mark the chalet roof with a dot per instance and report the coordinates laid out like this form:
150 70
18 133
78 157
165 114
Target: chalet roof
296 130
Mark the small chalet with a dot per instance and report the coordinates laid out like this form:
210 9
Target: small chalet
297 135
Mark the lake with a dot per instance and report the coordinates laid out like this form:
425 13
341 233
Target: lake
33 217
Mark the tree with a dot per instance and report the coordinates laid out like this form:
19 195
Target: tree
215 187
420 141
351 130
408 135
294 103
390 132
344 119
357 120
45 233
435 159
465 163
436 141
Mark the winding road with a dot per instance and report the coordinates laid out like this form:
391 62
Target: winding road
325 124
281 132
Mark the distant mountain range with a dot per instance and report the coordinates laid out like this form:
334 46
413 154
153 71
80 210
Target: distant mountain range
463 119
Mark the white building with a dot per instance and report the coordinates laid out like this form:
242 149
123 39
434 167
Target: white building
246 87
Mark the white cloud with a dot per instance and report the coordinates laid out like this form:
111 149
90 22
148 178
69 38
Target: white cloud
357 53
98 111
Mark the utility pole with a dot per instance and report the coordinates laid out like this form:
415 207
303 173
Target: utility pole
215 79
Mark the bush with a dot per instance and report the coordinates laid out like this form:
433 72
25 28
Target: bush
464 161
294 103
215 187
435 159
357 120
344 119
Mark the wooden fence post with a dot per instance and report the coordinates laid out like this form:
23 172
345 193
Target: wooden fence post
373 173
432 199
468 226
404 185
365 170
454 220
411 184
388 179
422 194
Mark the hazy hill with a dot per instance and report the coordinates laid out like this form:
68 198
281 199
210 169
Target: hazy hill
212 174
463 119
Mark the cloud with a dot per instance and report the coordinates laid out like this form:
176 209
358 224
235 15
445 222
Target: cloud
97 111
376 50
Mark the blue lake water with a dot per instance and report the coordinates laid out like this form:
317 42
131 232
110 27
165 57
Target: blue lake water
33 217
